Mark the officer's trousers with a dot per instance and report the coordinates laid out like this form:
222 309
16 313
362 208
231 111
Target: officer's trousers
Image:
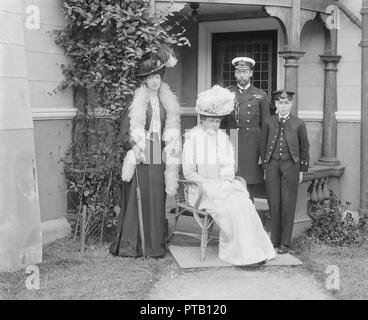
282 179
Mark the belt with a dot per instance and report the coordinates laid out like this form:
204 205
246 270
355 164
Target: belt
283 157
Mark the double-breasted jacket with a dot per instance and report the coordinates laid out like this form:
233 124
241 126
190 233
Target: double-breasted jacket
250 111
296 137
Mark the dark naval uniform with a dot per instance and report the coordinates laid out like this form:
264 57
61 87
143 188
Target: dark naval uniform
250 111
284 153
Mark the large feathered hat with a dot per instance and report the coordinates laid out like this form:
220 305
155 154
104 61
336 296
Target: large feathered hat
153 62
215 102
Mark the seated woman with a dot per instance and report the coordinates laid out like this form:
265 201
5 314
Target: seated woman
208 157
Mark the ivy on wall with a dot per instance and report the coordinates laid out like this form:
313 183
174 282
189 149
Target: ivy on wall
104 39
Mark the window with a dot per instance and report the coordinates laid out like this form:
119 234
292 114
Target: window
259 45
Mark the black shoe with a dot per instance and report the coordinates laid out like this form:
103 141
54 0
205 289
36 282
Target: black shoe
262 262
283 249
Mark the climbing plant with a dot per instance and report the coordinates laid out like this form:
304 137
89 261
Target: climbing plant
104 41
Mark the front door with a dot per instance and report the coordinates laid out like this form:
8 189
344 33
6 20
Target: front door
259 45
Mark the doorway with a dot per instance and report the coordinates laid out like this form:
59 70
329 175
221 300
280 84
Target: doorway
258 45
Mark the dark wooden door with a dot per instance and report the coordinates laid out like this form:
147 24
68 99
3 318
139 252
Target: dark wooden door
259 45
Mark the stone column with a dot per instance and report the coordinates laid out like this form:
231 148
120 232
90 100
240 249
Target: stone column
291 65
364 113
20 225
329 142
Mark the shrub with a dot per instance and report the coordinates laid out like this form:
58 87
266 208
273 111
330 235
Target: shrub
331 228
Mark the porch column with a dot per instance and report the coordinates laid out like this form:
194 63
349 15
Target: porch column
20 225
329 142
364 113
292 53
291 64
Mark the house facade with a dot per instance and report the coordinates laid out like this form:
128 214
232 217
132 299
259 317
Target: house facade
308 46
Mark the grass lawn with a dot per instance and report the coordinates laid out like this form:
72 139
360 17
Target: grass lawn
64 274
352 264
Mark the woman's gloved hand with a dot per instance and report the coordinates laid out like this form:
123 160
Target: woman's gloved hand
227 186
139 155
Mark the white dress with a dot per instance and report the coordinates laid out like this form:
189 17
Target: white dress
209 159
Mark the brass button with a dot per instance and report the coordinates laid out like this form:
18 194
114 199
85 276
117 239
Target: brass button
247 121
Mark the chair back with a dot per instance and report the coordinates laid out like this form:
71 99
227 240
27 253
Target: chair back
180 195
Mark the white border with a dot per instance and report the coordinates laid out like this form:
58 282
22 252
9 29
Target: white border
310 115
53 113
343 116
205 30
55 229
348 116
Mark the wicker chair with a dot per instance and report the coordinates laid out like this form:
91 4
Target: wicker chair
202 217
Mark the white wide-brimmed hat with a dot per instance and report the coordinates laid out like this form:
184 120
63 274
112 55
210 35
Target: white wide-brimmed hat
215 102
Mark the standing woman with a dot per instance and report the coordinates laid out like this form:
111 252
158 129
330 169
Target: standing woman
150 133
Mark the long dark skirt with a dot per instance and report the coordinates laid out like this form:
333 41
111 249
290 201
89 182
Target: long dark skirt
127 241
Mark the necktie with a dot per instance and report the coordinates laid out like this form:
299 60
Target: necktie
155 125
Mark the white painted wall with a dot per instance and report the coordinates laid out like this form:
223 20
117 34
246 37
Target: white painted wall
349 103
52 112
44 58
311 73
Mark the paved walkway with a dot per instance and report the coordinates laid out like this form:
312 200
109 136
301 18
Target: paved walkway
237 283
265 283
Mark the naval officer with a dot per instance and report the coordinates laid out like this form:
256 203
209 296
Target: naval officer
250 111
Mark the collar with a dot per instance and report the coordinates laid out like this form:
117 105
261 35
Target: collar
284 118
243 88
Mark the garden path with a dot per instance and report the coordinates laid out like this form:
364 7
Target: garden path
237 283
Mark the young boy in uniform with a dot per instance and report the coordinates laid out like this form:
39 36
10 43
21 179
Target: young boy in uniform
285 156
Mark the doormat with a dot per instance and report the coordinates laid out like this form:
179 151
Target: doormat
188 257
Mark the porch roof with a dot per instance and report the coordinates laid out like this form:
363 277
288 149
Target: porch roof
312 5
